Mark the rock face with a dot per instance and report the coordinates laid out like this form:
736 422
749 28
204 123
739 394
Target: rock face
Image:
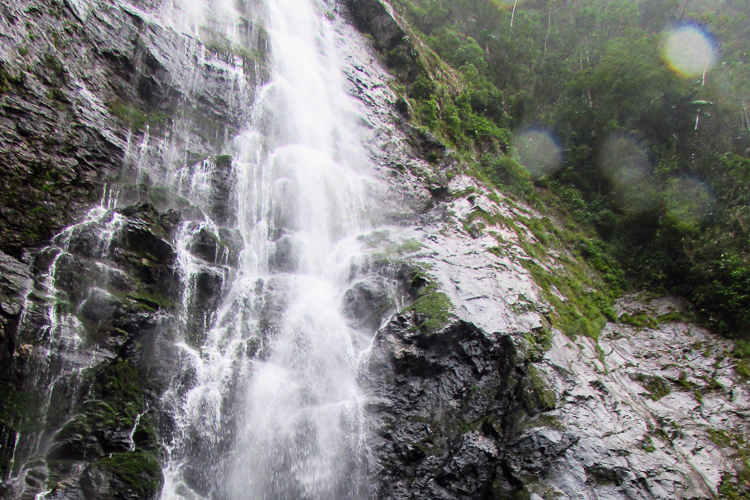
100 104
472 389
661 412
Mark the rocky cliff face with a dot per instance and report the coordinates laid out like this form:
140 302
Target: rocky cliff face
99 103
472 388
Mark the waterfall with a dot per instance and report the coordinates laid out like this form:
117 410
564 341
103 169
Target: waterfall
264 401
221 343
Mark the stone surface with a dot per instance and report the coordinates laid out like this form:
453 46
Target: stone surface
637 438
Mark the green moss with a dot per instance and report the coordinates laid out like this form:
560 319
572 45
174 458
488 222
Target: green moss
150 301
578 307
538 342
657 387
720 438
639 319
138 470
409 246
540 420
135 118
432 309
10 82
742 369
535 393
648 445
55 70
116 397
673 317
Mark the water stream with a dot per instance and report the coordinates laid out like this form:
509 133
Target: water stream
262 400
265 402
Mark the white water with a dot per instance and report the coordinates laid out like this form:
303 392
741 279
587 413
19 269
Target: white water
265 401
61 352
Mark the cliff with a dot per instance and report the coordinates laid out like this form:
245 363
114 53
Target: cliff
486 367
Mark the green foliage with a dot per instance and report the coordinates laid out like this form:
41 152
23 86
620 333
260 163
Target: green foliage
505 173
589 71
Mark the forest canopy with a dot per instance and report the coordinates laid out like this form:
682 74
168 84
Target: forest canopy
633 113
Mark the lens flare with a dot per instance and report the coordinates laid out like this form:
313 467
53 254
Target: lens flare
625 164
537 152
689 51
688 200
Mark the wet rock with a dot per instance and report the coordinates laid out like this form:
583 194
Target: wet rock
75 441
221 191
221 249
99 307
650 399
286 253
205 289
139 237
443 404
127 476
366 303
15 283
276 294
206 245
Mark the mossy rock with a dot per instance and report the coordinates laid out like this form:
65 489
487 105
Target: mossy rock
107 416
134 475
432 309
657 387
535 393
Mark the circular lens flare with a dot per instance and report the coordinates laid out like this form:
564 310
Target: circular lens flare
625 164
537 152
689 51
688 200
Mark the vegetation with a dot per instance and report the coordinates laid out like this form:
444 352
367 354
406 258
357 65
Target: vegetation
138 471
432 309
136 118
650 156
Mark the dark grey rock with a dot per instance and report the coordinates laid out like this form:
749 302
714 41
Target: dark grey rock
366 304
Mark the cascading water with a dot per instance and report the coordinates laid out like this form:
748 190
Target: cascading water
256 394
266 404
62 352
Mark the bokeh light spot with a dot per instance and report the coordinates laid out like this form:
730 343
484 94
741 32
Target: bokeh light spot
537 152
687 200
625 164
689 51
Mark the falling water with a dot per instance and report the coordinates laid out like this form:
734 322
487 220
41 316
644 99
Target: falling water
59 348
266 403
